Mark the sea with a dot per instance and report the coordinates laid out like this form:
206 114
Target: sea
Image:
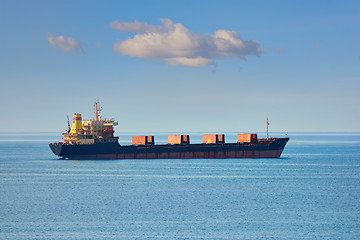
311 192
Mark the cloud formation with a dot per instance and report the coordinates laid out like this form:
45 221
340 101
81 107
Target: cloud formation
65 43
178 46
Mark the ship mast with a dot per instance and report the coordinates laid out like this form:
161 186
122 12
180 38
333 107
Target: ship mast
69 128
267 128
98 109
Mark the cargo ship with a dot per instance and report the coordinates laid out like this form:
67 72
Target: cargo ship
94 139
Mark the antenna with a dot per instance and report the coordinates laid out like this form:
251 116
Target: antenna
267 128
98 109
68 124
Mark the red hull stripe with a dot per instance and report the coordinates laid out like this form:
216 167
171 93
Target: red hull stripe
185 155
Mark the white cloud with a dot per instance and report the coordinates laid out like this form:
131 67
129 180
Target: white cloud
65 43
229 43
177 45
190 62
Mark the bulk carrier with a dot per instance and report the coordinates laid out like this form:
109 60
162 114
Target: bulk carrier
94 139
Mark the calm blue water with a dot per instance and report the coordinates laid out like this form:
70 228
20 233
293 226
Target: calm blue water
312 192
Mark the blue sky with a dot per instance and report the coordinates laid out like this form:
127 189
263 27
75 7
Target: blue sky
181 66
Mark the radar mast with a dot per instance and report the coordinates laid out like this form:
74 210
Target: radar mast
98 109
267 129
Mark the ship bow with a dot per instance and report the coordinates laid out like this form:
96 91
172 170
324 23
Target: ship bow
56 148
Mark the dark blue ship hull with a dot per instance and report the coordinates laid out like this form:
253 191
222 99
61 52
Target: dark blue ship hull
271 148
